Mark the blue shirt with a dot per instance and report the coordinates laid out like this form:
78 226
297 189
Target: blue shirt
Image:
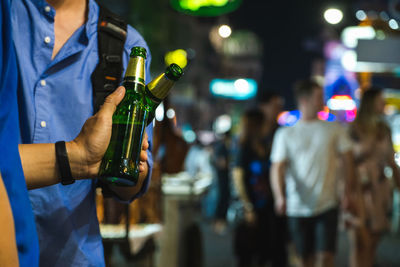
55 101
10 163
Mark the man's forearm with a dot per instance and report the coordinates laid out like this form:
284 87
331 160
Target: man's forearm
40 166
278 180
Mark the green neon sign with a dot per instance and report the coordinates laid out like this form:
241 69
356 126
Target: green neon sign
206 8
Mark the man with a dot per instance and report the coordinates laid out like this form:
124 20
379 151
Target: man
19 242
56 45
304 159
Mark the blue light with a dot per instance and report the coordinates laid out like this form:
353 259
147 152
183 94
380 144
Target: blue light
331 117
289 118
240 89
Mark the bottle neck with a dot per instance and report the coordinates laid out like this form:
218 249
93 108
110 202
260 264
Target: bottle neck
159 87
135 71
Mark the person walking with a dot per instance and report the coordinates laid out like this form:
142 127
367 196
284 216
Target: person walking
304 164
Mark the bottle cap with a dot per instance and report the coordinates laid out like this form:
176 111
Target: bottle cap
173 72
138 51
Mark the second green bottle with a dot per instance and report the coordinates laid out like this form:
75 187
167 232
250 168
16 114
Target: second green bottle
120 165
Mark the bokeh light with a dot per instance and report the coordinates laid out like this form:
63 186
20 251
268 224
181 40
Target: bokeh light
333 15
178 56
224 31
393 24
361 15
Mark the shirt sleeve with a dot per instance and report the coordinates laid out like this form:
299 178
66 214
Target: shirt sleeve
279 150
344 143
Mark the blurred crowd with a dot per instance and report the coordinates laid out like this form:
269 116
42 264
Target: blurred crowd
286 190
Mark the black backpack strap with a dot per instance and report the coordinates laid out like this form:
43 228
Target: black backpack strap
111 34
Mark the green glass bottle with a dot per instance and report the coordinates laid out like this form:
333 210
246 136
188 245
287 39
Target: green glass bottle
159 88
120 164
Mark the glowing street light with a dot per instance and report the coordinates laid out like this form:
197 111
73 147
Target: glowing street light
361 15
242 86
393 24
333 15
224 31
170 113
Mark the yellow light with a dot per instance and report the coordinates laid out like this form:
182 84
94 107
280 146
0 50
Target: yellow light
341 97
197 4
178 56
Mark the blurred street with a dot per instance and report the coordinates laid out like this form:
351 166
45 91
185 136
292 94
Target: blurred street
218 250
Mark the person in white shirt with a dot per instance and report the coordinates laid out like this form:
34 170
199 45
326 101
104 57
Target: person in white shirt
303 176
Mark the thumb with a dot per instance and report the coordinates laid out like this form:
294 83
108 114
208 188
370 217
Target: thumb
112 101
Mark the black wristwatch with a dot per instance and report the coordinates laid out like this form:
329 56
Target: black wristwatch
63 163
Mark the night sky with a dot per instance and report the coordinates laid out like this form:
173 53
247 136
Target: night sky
285 27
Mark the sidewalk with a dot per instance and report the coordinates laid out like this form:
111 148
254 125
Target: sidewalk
218 250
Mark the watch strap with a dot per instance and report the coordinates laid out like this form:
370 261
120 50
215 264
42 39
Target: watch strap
63 163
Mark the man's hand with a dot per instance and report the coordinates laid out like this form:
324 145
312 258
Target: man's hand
143 154
88 148
85 152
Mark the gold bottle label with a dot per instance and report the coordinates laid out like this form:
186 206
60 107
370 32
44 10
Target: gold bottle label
135 70
160 86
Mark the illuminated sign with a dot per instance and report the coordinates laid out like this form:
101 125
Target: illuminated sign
341 102
240 89
207 8
351 35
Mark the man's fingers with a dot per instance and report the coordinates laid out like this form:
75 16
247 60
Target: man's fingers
145 144
143 155
112 101
142 166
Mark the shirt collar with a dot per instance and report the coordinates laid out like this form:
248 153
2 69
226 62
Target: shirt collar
40 4
90 26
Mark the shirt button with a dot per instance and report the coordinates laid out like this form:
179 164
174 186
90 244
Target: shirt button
43 82
47 8
47 40
43 124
